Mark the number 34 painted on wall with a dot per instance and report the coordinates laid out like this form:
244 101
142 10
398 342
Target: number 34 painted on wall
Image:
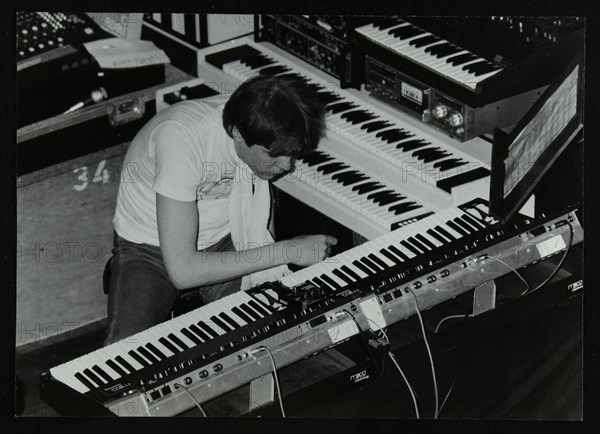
101 175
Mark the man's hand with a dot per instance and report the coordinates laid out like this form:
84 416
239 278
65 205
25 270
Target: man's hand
187 267
307 250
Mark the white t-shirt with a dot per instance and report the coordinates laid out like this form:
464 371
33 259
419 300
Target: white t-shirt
183 153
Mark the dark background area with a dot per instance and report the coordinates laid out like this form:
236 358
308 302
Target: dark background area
558 322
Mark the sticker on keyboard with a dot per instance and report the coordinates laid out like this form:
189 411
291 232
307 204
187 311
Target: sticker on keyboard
550 246
373 313
342 331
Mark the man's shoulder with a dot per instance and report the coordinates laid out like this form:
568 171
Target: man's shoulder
196 108
194 117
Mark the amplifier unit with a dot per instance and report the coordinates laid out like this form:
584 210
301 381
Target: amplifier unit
320 40
434 107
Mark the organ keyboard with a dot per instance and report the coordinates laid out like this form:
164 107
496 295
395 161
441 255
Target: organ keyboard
374 204
386 146
216 348
360 123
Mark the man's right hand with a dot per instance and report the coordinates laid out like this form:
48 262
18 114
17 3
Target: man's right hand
306 250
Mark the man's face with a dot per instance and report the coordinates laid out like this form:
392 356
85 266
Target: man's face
260 162
265 166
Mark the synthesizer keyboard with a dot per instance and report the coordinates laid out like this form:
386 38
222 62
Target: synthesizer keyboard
472 51
465 76
216 348
427 49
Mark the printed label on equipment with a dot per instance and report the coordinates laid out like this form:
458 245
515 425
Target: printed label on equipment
360 376
117 387
550 246
342 331
411 92
575 286
372 311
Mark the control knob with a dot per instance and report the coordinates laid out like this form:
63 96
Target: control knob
455 120
440 111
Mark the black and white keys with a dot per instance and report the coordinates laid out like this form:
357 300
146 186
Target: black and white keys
432 52
115 362
416 240
413 151
363 194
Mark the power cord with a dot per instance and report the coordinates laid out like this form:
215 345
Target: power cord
280 396
459 363
517 273
435 388
450 317
410 389
177 385
559 265
395 361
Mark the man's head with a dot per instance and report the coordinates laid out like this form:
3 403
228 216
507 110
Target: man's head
274 120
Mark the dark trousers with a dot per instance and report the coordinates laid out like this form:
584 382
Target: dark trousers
141 294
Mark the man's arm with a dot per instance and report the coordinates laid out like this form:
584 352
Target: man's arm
187 267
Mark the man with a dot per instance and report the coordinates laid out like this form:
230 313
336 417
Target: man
195 185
